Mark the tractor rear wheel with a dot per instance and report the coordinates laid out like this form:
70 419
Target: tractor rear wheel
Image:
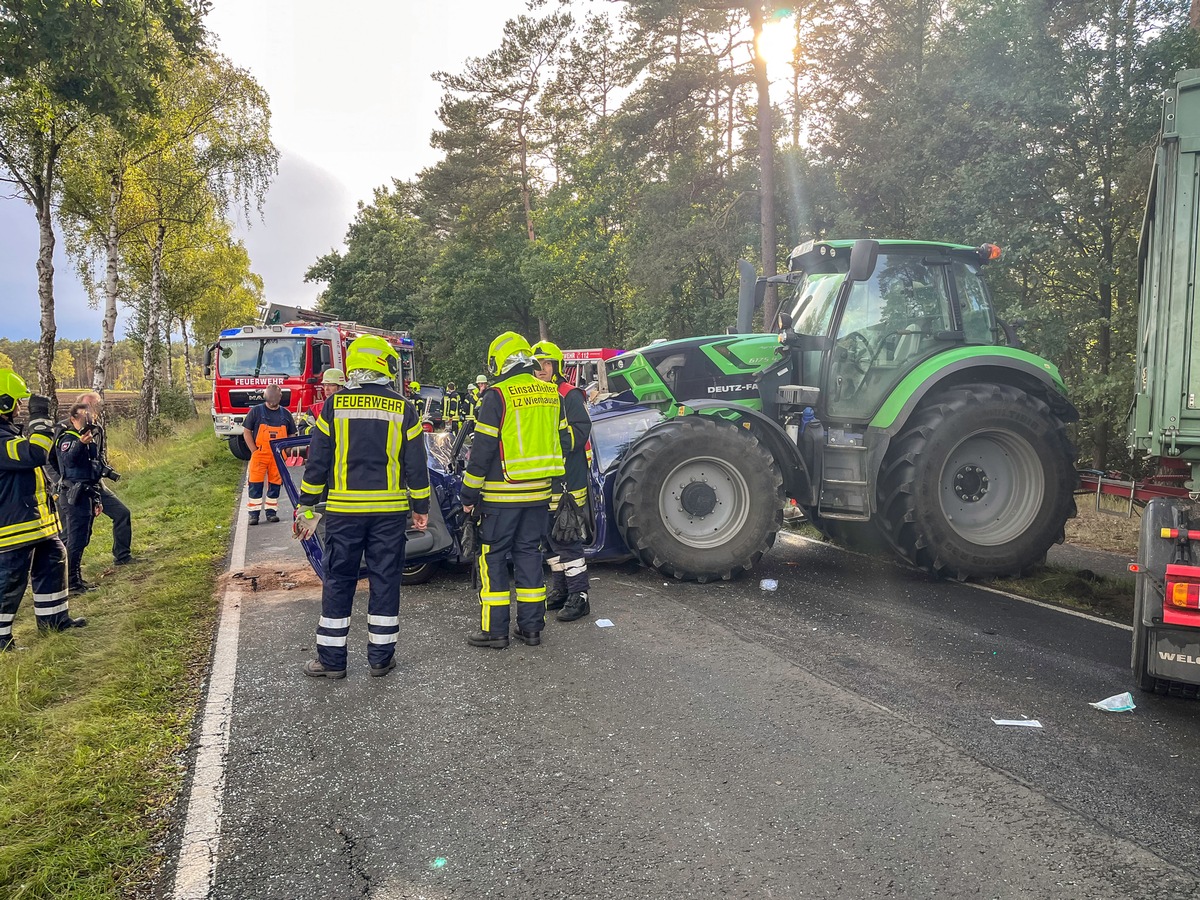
698 499
238 447
979 483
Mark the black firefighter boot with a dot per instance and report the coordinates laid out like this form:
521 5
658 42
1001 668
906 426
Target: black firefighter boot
556 596
576 607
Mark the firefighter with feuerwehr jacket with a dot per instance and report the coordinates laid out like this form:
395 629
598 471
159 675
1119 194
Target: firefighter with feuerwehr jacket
29 526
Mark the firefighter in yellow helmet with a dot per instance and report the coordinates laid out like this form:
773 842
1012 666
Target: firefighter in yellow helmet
471 400
452 408
29 526
368 452
517 453
569 514
414 397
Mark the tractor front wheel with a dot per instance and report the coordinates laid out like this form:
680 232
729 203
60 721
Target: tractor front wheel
699 499
979 483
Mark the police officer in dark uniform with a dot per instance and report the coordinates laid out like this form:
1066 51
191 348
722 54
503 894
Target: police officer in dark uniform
79 491
517 452
568 567
29 542
368 452
110 503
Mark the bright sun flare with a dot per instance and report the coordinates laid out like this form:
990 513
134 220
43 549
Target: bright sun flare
776 45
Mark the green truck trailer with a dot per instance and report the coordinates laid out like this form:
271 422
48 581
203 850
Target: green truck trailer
1164 420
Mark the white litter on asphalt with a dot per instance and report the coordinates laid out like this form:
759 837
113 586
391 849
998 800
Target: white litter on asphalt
1116 703
769 584
604 623
1024 723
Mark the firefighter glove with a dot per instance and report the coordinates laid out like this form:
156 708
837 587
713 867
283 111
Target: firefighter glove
305 525
39 414
470 536
568 523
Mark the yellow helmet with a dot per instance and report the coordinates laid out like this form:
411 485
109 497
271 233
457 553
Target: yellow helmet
12 390
414 385
503 348
548 350
373 353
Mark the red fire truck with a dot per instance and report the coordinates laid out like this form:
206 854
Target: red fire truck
582 367
244 361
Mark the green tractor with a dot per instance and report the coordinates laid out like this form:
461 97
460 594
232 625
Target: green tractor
893 407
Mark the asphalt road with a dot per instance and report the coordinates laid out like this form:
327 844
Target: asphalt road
832 738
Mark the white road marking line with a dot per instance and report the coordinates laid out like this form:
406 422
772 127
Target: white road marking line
978 587
202 831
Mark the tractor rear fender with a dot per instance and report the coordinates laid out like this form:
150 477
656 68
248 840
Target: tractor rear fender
796 480
975 365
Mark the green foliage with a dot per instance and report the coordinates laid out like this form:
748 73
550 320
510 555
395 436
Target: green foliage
94 722
107 58
631 141
174 405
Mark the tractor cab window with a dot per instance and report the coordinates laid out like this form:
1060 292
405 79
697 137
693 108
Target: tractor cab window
978 315
889 324
813 307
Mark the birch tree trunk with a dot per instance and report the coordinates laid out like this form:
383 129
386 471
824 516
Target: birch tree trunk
108 325
187 364
45 274
148 403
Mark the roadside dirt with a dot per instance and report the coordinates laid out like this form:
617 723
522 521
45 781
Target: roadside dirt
260 579
1097 531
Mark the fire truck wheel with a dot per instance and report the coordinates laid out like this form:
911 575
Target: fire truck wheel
238 448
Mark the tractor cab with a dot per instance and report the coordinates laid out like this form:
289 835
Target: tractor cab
862 315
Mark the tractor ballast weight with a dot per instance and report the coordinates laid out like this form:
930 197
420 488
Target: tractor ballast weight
888 403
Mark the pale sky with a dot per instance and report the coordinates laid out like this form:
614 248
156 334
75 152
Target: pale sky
352 105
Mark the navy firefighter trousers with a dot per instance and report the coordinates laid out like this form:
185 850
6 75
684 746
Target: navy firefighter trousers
353 541
515 533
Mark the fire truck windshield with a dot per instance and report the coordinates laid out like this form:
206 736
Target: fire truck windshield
252 357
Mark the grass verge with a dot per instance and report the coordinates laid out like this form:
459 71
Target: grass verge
92 722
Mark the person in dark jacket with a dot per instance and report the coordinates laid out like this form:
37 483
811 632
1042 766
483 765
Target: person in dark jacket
110 503
515 456
79 491
29 526
368 456
568 566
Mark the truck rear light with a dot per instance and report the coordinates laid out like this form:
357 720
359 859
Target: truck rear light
1182 587
1183 595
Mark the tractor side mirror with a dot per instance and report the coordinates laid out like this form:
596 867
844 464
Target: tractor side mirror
863 256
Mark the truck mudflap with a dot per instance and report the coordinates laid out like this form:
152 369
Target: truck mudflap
1175 654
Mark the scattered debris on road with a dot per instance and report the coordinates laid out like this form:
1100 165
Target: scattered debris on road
769 584
1116 703
1024 723
604 623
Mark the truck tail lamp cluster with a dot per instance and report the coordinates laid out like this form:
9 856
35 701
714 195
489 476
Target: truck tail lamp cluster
1183 587
1181 584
